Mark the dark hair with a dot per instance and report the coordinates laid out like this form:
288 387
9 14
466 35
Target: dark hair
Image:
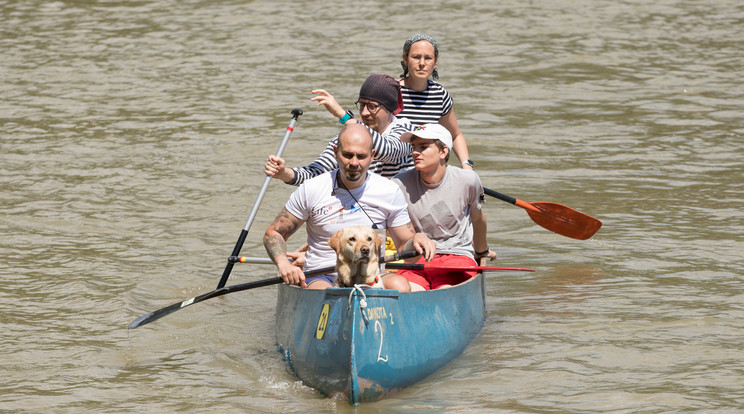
441 145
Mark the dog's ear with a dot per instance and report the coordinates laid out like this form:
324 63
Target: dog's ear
335 240
378 242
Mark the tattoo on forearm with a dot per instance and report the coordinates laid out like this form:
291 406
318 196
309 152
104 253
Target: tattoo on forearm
283 226
275 245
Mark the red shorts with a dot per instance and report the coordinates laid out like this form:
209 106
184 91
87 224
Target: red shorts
433 278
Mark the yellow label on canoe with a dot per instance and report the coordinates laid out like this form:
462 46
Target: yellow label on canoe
322 322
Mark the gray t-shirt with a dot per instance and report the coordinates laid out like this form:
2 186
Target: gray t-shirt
442 211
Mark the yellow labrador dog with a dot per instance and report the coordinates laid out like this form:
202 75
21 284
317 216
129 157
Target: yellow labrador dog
357 256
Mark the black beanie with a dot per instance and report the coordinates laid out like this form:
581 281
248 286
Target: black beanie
383 89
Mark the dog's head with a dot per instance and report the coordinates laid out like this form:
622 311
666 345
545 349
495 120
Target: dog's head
356 250
356 244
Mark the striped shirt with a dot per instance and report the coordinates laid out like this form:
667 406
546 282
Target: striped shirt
425 107
391 155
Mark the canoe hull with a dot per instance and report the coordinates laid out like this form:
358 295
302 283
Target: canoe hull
396 340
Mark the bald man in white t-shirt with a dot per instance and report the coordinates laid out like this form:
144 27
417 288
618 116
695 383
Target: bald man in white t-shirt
347 196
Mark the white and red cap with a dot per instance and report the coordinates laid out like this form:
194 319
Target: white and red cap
429 131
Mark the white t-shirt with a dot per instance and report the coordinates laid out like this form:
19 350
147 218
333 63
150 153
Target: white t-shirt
327 208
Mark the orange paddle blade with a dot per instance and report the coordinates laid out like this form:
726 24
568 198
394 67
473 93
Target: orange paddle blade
562 220
555 217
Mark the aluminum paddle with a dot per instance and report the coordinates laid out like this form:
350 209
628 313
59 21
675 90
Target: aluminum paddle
244 233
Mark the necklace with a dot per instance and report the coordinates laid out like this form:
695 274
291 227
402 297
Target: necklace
341 185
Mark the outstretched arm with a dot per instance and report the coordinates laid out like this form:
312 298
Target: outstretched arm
387 147
276 168
326 161
323 97
275 242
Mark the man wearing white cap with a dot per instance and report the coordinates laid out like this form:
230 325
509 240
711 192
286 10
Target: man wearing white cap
444 202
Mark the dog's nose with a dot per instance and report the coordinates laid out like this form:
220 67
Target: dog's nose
364 250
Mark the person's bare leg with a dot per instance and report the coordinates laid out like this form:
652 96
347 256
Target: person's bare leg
396 282
319 284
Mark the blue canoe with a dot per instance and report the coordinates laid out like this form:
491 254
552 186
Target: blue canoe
396 340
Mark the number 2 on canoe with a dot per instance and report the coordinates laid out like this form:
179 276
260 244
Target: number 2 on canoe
379 352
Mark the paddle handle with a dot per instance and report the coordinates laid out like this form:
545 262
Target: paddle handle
254 210
295 114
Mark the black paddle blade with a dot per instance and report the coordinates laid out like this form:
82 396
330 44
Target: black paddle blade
153 316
